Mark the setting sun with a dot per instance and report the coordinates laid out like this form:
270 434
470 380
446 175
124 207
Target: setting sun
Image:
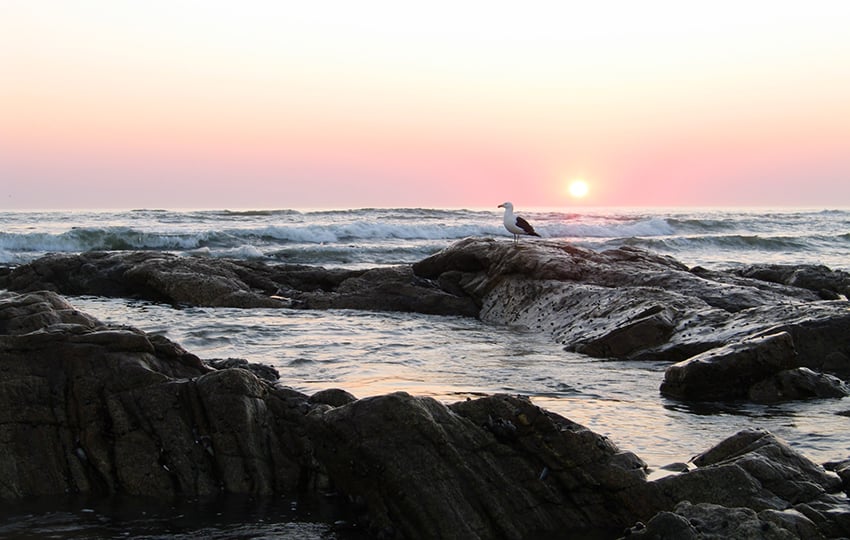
578 188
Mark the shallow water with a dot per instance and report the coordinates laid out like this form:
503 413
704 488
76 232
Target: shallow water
453 358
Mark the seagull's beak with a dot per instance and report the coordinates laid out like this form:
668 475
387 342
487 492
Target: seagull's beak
501 206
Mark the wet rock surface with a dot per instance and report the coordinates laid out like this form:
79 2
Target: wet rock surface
624 303
102 409
710 521
628 303
735 371
196 281
829 284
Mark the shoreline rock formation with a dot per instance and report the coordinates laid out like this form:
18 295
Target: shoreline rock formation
103 409
631 304
623 303
196 281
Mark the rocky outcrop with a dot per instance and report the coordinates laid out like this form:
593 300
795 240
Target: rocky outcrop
842 469
798 383
631 304
624 303
729 372
829 284
751 485
705 521
495 467
760 369
91 408
167 278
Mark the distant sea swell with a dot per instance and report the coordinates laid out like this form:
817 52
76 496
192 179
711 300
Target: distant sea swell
376 236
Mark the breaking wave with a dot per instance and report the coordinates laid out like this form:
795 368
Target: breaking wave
398 235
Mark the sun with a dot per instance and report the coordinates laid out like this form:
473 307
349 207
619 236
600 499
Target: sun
578 188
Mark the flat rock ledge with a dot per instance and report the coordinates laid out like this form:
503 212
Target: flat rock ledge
101 409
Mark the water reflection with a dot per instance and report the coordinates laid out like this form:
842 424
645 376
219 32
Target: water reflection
450 358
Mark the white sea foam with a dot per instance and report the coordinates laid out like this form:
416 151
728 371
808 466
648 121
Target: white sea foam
362 230
245 252
392 236
617 229
7 257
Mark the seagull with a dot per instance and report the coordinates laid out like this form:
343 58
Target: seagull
515 224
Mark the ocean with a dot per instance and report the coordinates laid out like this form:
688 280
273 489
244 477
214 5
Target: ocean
450 358
714 238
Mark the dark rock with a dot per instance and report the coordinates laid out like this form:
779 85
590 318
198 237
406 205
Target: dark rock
826 282
163 277
428 471
100 410
799 383
676 467
710 521
633 304
831 515
391 289
262 371
160 277
842 469
758 478
22 314
725 484
729 372
773 463
335 397
664 526
792 521
650 328
623 303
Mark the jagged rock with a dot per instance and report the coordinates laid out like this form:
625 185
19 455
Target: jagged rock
99 409
262 371
335 397
622 303
842 469
390 289
714 522
792 521
729 372
164 277
830 514
102 409
773 463
161 277
431 471
826 282
633 304
22 314
757 477
799 383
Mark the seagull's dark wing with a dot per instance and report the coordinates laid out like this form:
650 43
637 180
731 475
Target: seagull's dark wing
526 226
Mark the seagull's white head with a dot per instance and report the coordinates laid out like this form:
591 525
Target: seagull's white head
507 205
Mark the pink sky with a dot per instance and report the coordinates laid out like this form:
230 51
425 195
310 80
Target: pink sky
184 104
